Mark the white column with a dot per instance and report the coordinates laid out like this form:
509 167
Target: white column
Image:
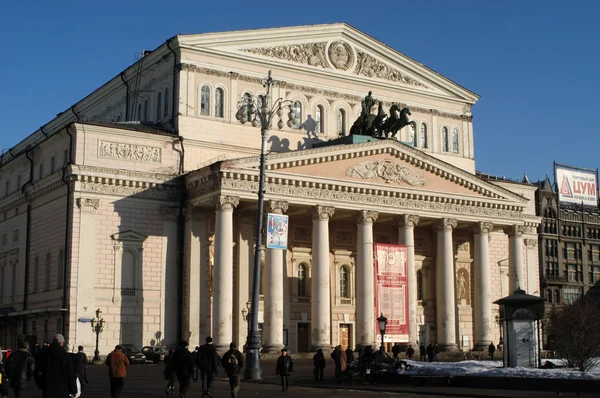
531 254
365 277
483 300
444 285
320 303
223 272
515 259
273 326
406 236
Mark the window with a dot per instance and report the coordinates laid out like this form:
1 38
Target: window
319 119
219 102
301 280
594 253
570 251
128 277
146 118
557 296
341 122
139 112
15 235
423 137
205 100
419 285
65 156
572 294
2 281
14 279
60 269
47 273
36 274
549 295
167 98
445 141
412 135
344 280
41 171
595 274
571 271
159 106
52 165
455 140
298 108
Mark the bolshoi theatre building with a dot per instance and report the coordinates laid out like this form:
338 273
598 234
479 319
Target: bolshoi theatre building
141 200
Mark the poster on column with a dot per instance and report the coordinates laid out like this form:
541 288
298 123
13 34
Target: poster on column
277 231
391 291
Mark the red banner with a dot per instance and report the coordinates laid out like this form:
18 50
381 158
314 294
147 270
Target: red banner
391 291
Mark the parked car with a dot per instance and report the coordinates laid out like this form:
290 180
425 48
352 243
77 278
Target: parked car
156 353
133 353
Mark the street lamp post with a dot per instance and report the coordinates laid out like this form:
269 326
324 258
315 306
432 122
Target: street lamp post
382 321
246 314
97 327
260 111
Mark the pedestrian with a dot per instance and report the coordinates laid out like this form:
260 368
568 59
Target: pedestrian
491 350
319 364
80 363
410 352
339 357
233 362
430 352
19 368
349 355
208 361
285 365
183 365
195 368
3 378
436 351
169 372
55 371
36 348
396 351
117 363
422 352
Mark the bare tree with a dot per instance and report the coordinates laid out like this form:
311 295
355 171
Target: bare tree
575 329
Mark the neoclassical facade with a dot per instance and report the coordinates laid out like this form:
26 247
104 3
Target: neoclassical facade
141 200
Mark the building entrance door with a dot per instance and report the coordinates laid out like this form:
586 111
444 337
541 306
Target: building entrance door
303 337
345 335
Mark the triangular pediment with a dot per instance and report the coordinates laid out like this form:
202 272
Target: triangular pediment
335 49
385 166
129 236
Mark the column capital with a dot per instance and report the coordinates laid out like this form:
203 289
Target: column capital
446 224
366 216
278 206
516 231
407 220
531 243
88 205
483 228
322 212
226 203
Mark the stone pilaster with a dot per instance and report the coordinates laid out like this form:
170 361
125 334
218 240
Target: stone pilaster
482 293
365 274
273 326
320 305
223 272
406 236
445 285
515 258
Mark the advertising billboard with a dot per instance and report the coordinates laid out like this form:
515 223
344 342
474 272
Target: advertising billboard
277 231
391 291
576 186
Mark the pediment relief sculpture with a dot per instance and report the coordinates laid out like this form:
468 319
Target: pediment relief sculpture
341 55
388 170
371 67
312 54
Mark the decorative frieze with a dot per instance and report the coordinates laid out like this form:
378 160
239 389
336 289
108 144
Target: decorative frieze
388 170
163 193
463 246
370 67
134 152
421 245
341 55
302 234
312 54
87 205
344 238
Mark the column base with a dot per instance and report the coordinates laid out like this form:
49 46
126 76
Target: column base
222 348
272 349
327 349
448 347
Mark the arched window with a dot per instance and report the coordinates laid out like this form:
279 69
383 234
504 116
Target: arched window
128 274
301 275
298 107
146 118
445 139
36 274
455 140
139 112
412 135
219 102
344 280
423 137
341 122
319 119
60 269
419 285
205 100
47 273
159 106
166 109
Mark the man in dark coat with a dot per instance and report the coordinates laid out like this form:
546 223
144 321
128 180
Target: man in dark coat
319 364
430 352
491 350
19 368
80 363
183 365
285 365
422 352
207 361
349 355
56 370
233 362
396 350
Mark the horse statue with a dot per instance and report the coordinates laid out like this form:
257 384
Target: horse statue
377 123
394 123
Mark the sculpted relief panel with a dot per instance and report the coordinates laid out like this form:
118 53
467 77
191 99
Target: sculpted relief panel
312 54
371 67
140 153
388 170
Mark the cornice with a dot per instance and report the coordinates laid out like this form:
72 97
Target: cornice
121 175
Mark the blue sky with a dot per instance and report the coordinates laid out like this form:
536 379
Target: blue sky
535 64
